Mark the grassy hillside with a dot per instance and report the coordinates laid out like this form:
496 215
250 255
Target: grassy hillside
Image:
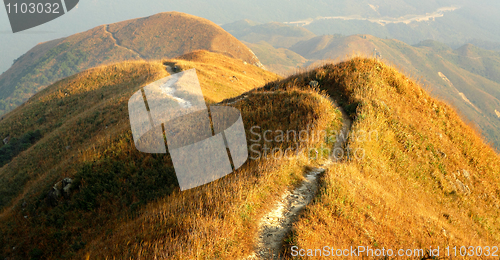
155 37
85 135
466 77
219 220
423 179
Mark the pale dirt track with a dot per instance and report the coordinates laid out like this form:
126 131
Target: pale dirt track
277 223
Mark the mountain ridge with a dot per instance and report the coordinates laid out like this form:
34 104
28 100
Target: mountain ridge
152 37
83 120
428 179
114 181
472 72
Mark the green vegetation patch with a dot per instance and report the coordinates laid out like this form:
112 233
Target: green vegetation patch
15 146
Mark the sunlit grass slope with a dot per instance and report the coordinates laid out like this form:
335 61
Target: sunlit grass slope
426 178
163 35
220 220
222 77
85 135
466 77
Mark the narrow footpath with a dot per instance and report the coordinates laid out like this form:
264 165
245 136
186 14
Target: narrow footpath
117 42
276 224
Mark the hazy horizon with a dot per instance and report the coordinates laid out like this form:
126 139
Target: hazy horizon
471 17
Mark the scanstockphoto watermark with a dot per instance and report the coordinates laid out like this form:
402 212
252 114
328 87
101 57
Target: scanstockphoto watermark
364 251
420 253
205 142
283 144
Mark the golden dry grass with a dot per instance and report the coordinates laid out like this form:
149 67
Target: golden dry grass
404 190
220 220
222 77
171 34
86 132
164 35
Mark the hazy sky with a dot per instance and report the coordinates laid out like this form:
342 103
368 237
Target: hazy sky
91 13
88 14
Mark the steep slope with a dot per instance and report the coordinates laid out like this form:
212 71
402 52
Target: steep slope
218 221
85 135
164 35
466 77
416 176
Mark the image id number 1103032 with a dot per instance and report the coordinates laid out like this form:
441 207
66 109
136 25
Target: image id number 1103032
488 251
33 8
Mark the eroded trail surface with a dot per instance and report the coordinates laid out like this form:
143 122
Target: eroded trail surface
117 42
276 224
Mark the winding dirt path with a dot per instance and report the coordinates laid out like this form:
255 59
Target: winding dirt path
276 224
117 42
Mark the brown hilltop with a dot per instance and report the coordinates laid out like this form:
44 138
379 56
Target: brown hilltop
172 34
164 35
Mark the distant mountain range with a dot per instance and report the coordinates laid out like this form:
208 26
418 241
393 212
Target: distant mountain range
474 21
468 77
454 25
276 34
165 35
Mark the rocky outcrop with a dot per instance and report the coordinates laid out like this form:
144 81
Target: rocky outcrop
61 188
314 84
6 140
